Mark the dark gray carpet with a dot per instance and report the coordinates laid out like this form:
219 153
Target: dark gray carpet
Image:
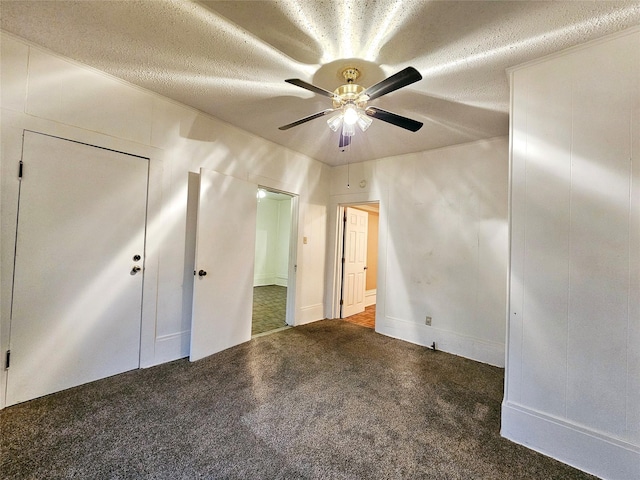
330 400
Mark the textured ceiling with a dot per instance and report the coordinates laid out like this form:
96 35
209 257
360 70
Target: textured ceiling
230 58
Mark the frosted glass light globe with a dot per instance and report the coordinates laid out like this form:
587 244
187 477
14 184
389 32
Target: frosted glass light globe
350 115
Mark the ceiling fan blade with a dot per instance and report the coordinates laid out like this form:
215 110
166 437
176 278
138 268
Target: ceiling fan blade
344 141
394 119
401 79
312 88
306 119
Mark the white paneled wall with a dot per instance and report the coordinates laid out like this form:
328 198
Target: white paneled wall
442 245
48 94
573 366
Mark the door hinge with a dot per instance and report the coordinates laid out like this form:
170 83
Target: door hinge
20 170
341 302
343 260
7 360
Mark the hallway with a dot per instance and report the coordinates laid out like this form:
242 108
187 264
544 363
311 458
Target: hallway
269 308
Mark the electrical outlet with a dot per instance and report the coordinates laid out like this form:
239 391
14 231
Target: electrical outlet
427 321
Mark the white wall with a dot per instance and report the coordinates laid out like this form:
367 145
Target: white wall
573 368
442 245
266 238
272 242
49 94
282 242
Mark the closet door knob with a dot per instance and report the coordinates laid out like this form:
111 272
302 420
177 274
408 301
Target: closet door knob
202 273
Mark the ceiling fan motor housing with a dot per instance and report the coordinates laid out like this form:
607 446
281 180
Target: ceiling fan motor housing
349 93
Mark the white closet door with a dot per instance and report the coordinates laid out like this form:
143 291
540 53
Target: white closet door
76 307
225 250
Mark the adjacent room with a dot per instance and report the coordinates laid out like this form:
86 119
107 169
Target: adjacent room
272 261
360 273
304 239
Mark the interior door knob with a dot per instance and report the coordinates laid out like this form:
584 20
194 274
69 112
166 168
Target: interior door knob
135 269
202 273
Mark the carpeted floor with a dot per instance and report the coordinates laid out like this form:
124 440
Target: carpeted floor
269 308
328 400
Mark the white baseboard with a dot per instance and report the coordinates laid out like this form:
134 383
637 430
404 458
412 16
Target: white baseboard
311 313
446 341
370 297
572 444
172 347
264 279
281 280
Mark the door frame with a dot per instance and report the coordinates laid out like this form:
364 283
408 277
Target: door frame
292 267
335 278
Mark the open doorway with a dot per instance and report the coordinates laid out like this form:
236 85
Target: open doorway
359 263
272 268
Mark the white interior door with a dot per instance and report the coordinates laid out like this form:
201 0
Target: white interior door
223 282
355 261
76 308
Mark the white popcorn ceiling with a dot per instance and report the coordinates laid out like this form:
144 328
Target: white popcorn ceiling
230 58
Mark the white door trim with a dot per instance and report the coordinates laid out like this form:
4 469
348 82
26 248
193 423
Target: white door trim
292 281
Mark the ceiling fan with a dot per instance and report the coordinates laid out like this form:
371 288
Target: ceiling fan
350 103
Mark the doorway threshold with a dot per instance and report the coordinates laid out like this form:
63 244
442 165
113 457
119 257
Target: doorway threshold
275 330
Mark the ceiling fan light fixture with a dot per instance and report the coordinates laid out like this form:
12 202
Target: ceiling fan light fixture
335 122
350 115
364 121
348 130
